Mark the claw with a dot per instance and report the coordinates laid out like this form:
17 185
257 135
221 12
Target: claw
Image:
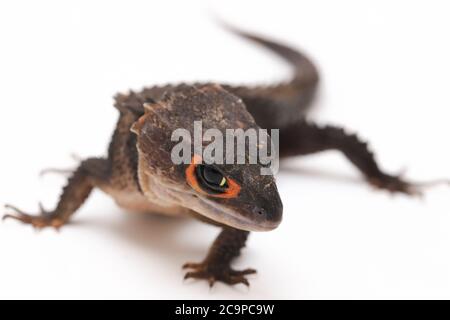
46 171
19 214
213 273
433 183
191 265
6 216
394 184
17 210
190 275
245 281
65 172
397 183
419 187
241 279
41 208
211 281
243 272
44 219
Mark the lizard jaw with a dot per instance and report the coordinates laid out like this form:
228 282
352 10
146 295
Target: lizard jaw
232 218
214 211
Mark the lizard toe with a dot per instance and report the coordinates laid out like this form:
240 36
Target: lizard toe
42 220
215 272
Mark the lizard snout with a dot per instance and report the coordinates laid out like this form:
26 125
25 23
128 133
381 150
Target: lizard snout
268 215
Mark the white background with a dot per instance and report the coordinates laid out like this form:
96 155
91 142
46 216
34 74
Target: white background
386 72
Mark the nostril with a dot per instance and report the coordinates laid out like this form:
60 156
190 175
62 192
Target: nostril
259 211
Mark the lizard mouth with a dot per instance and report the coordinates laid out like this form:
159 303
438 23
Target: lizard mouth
233 218
224 215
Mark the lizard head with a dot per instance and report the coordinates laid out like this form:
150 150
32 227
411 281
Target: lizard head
237 195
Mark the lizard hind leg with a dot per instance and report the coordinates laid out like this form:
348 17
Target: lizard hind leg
79 186
304 138
216 266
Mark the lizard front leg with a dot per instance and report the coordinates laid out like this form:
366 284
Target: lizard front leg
77 190
305 138
216 265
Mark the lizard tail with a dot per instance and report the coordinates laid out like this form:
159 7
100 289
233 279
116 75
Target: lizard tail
277 105
305 72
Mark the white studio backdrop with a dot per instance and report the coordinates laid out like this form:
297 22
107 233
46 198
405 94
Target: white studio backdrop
385 74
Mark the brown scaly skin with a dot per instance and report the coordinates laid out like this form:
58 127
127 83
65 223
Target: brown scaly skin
135 158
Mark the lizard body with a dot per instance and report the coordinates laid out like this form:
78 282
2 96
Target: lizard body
138 174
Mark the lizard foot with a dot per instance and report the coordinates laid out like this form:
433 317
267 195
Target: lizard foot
44 219
217 272
395 184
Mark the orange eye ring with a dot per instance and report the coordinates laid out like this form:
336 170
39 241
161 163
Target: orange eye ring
231 192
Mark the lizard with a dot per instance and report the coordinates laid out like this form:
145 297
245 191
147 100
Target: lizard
138 173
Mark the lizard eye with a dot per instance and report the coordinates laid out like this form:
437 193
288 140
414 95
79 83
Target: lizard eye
207 179
211 178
